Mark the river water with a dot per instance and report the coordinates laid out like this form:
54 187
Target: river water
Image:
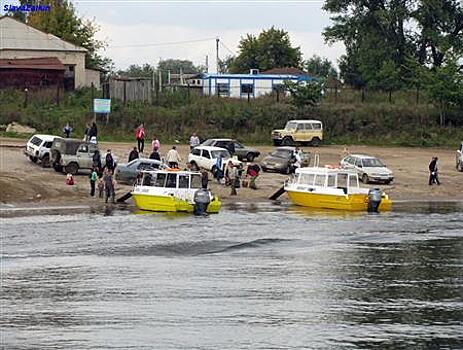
258 277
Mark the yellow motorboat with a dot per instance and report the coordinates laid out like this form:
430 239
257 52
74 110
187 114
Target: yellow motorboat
171 190
334 188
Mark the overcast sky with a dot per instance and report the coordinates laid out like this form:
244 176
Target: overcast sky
128 26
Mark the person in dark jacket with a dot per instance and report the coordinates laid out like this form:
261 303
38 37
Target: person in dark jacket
204 179
93 132
97 162
155 155
231 147
433 169
109 186
133 154
109 161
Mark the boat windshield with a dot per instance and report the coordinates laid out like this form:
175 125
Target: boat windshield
195 181
372 163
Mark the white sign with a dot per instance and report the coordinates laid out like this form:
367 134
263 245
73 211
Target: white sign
102 105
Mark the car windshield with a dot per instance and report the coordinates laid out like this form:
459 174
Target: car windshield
281 154
291 126
208 142
372 163
222 153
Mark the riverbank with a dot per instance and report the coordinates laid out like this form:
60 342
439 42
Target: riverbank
26 183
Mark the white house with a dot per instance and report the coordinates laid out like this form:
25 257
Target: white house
251 85
19 40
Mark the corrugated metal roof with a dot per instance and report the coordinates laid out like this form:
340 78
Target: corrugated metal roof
45 63
15 35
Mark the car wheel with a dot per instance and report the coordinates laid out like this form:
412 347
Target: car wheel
213 170
365 178
33 159
287 141
72 168
250 157
45 161
315 142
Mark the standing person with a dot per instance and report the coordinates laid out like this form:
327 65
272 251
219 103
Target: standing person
253 172
231 147
100 184
297 160
93 133
67 130
109 186
433 172
97 161
93 177
87 132
155 144
133 154
194 141
173 158
204 179
140 136
155 155
234 178
218 168
109 161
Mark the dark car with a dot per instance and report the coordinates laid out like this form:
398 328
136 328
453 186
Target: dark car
280 160
235 148
127 173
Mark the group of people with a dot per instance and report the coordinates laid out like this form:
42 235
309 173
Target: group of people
236 176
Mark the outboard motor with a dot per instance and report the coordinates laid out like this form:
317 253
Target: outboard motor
202 199
374 200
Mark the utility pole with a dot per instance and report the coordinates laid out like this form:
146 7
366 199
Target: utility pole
217 40
160 80
207 63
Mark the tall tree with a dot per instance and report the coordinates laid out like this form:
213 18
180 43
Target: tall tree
176 66
270 49
320 67
63 21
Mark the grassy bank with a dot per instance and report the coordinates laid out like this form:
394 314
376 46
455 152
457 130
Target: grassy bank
175 116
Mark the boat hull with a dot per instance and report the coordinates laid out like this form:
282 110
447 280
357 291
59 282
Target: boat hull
170 204
351 202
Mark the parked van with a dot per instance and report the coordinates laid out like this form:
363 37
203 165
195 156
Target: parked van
304 132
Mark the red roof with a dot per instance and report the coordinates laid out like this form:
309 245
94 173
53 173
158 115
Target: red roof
45 63
285 70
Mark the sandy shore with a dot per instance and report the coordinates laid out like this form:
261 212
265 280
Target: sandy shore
23 182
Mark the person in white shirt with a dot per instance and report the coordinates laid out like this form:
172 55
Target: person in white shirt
194 141
173 158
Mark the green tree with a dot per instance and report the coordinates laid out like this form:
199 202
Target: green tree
320 67
304 94
138 71
62 21
444 85
176 66
270 49
388 78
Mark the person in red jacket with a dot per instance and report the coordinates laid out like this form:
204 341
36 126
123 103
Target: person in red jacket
140 136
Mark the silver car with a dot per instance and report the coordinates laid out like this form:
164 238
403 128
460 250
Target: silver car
369 169
128 173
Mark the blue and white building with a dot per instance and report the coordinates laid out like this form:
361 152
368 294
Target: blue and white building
253 84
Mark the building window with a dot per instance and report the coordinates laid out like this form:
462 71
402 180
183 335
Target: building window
223 89
247 89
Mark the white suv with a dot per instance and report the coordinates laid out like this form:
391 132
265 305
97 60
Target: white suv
368 168
38 149
206 157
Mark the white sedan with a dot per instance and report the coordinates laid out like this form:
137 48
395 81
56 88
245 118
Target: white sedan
368 168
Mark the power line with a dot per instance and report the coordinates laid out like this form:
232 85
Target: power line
276 2
161 44
226 48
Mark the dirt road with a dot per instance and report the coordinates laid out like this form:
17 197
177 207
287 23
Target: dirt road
23 182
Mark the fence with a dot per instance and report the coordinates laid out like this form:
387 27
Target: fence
131 89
